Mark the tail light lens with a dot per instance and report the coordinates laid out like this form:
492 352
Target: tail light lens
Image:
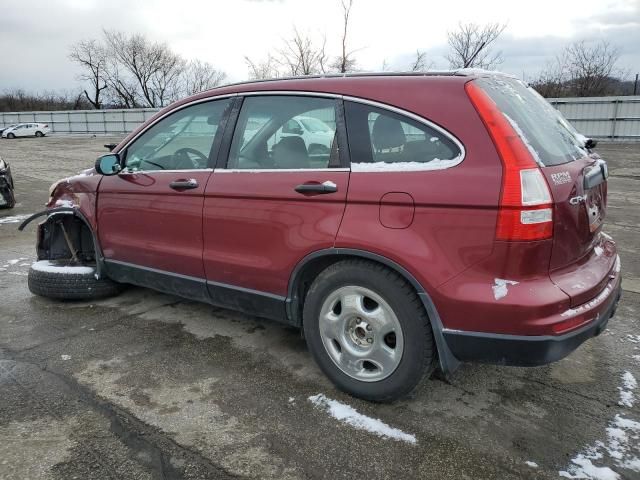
526 209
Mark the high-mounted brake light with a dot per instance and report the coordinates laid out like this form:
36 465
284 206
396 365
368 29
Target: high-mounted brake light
526 210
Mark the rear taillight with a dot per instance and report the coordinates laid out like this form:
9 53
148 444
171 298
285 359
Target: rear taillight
526 210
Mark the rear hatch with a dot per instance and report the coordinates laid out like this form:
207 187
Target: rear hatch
580 262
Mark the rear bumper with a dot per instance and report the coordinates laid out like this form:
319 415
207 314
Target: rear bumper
532 350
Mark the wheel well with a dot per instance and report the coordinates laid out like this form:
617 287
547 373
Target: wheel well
303 279
65 236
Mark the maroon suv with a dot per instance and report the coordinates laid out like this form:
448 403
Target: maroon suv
401 221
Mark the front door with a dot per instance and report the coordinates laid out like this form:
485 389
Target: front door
150 215
273 202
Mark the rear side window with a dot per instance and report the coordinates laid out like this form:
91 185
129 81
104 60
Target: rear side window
547 134
381 140
285 132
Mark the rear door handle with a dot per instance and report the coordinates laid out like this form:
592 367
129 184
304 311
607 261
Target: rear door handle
326 187
184 184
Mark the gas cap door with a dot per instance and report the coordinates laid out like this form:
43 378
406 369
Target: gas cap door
396 210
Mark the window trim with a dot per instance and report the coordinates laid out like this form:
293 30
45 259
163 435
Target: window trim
211 156
220 159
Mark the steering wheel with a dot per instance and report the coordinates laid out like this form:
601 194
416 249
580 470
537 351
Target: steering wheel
184 161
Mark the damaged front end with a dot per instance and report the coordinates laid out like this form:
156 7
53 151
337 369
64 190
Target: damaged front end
66 235
68 232
7 196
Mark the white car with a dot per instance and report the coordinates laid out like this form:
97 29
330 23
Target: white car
317 135
27 130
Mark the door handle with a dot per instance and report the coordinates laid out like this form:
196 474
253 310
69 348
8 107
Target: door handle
184 184
326 187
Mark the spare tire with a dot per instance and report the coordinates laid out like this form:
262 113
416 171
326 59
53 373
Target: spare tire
67 281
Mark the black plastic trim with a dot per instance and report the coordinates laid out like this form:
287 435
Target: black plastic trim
522 350
252 302
227 136
246 300
341 127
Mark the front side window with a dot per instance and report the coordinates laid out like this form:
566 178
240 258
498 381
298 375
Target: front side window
380 139
285 132
181 141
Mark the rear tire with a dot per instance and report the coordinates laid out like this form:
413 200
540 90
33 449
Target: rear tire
39 134
58 280
377 346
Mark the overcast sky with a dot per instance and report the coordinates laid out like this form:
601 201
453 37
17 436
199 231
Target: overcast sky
35 35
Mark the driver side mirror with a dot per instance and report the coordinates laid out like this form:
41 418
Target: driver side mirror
108 164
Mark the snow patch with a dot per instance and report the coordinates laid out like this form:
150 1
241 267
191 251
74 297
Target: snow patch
14 219
65 357
64 203
623 435
525 140
598 250
46 266
350 416
435 164
629 384
500 288
531 464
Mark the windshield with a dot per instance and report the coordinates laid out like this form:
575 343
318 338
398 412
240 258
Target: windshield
547 134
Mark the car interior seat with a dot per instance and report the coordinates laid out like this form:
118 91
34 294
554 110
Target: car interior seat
388 139
291 152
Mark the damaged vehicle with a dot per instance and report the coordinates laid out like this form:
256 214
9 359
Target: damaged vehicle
7 195
453 217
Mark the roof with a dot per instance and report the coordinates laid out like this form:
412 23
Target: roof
461 72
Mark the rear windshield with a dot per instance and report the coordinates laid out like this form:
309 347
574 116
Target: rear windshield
548 135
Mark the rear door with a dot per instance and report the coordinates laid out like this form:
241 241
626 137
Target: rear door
150 215
580 262
272 203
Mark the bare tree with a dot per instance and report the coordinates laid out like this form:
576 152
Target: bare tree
582 69
123 90
591 67
261 70
420 62
154 66
200 76
90 55
345 62
300 55
471 45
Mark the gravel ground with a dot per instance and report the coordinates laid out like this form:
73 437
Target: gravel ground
145 385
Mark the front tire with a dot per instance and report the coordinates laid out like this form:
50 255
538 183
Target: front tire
10 135
63 281
368 331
